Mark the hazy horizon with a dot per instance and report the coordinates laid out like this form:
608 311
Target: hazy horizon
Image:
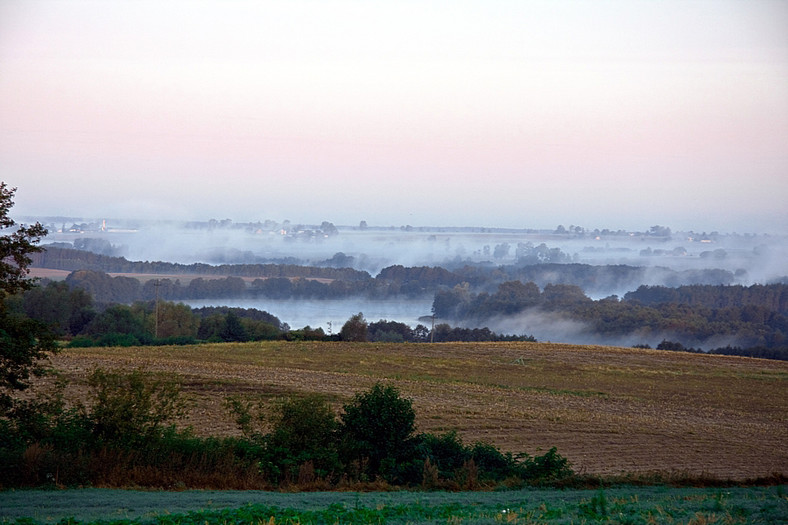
618 115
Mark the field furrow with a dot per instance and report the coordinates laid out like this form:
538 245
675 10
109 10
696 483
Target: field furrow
609 410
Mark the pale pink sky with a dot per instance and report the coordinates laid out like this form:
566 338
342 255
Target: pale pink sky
618 114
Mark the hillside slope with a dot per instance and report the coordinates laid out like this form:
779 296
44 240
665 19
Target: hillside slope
609 410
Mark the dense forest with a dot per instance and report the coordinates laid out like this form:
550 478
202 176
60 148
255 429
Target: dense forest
753 316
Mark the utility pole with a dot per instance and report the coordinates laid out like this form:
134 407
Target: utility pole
329 328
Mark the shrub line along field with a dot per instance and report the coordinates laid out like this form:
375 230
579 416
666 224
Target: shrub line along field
608 410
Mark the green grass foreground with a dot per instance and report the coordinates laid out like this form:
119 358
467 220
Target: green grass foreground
612 505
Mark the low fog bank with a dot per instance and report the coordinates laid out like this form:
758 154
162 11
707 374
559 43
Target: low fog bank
553 327
556 328
540 256
750 258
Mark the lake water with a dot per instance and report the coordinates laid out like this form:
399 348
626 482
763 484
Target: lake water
318 314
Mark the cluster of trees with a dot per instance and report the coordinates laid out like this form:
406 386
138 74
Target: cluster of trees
760 352
511 297
772 297
126 436
70 313
445 333
754 316
357 329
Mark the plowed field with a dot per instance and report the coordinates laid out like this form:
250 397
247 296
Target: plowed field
609 410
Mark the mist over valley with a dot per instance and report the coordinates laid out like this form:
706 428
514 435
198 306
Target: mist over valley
320 275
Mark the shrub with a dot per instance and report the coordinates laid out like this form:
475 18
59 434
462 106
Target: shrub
548 468
377 428
117 339
447 452
492 463
304 433
129 406
81 341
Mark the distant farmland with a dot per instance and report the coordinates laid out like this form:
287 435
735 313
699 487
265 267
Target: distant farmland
609 410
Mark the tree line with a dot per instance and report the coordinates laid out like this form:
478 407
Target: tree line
754 316
64 258
331 281
91 304
70 314
394 281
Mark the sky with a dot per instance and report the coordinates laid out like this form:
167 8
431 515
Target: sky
522 114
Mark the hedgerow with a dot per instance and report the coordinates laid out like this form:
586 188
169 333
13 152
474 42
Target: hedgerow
127 437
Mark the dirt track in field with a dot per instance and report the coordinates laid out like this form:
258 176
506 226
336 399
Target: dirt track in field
608 410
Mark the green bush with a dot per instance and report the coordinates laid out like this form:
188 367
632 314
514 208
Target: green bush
446 452
131 406
377 428
117 339
492 463
548 468
304 432
81 341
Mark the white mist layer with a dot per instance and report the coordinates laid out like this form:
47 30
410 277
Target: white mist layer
317 314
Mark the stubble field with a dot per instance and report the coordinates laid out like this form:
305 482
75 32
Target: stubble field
608 410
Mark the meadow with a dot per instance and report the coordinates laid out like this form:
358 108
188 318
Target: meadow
628 414
611 505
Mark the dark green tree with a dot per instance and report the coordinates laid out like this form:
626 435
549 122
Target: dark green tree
67 311
176 320
377 431
304 432
16 246
233 330
119 319
354 329
24 342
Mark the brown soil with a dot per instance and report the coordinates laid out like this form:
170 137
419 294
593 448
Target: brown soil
609 410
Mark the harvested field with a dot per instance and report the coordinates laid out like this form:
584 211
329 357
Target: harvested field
184 278
609 410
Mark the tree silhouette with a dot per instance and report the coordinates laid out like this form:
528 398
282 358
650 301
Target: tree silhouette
23 341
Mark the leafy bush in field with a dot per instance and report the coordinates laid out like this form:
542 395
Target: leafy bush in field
447 452
355 329
495 464
550 467
131 405
465 466
303 443
377 427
